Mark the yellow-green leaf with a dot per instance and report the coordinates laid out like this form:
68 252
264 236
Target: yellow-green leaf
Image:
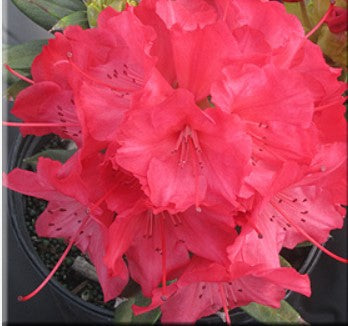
284 262
124 312
61 155
304 244
94 8
285 314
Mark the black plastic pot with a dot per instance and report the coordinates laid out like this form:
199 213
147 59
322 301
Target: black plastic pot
54 303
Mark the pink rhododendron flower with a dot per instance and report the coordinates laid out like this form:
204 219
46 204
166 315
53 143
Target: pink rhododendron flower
175 144
276 107
71 215
210 135
295 200
151 240
212 286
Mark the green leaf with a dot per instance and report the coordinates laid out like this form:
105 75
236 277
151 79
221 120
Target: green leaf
12 92
75 5
124 312
47 13
304 244
285 314
20 58
284 262
61 155
76 18
148 318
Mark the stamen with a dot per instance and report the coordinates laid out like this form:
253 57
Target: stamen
179 141
233 295
164 258
185 147
208 117
224 303
189 143
196 175
309 238
149 225
97 81
38 124
195 141
172 217
321 107
178 218
225 11
321 21
259 234
17 74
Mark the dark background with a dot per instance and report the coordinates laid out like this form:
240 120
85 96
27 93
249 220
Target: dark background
328 303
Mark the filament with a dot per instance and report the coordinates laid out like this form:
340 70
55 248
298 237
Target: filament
118 89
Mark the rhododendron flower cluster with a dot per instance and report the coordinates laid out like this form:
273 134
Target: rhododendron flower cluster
210 135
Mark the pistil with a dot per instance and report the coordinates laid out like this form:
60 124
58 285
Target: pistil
321 21
38 124
164 258
224 304
308 237
17 74
89 211
53 271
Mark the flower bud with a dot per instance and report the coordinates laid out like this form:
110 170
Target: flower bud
337 20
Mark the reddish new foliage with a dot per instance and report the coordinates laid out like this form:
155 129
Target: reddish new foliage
210 135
